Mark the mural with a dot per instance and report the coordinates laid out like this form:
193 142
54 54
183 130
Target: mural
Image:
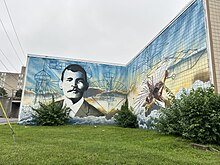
175 59
89 89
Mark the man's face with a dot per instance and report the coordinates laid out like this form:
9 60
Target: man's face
73 85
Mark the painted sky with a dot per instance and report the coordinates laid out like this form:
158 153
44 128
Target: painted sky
111 31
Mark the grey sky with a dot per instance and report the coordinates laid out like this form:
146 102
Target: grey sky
111 31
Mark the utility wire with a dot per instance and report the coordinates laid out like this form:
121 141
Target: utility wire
8 59
14 28
10 41
8 70
8 86
4 65
13 77
12 88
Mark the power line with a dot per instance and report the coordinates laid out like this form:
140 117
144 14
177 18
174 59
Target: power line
12 88
10 41
7 85
3 65
8 70
13 76
8 59
14 28
6 88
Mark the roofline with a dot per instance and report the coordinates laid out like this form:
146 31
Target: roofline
70 59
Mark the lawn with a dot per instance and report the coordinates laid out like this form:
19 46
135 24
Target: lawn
84 144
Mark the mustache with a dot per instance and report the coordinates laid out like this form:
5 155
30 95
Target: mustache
74 90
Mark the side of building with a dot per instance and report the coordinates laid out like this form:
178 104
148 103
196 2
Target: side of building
185 54
213 24
11 82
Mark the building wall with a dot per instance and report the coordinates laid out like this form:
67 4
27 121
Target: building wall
180 51
177 58
6 103
106 92
213 11
11 82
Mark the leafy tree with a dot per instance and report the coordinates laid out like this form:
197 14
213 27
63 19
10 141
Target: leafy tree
195 116
3 92
52 114
18 93
125 117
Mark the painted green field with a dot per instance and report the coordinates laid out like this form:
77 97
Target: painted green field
84 144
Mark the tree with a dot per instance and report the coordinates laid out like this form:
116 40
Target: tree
52 114
195 116
18 93
125 117
3 92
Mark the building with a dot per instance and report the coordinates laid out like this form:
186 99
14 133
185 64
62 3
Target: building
213 28
11 82
184 54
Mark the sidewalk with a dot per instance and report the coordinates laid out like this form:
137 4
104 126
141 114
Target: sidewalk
11 120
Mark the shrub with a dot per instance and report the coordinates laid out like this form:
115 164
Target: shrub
195 116
125 118
18 93
52 114
3 92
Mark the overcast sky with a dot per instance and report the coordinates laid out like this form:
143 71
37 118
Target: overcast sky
112 31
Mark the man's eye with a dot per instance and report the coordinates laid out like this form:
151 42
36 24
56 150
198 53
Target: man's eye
69 79
80 82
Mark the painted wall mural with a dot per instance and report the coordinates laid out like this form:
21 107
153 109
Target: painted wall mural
175 59
89 89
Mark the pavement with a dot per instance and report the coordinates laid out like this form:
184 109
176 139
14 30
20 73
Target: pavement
11 120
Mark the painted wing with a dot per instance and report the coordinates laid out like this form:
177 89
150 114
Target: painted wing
159 74
139 102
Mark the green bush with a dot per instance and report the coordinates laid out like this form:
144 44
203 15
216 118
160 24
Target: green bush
18 93
195 116
125 118
3 92
52 114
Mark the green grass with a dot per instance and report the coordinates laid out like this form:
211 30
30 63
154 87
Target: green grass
83 144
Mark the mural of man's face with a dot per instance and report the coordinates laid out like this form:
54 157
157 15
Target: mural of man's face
73 85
